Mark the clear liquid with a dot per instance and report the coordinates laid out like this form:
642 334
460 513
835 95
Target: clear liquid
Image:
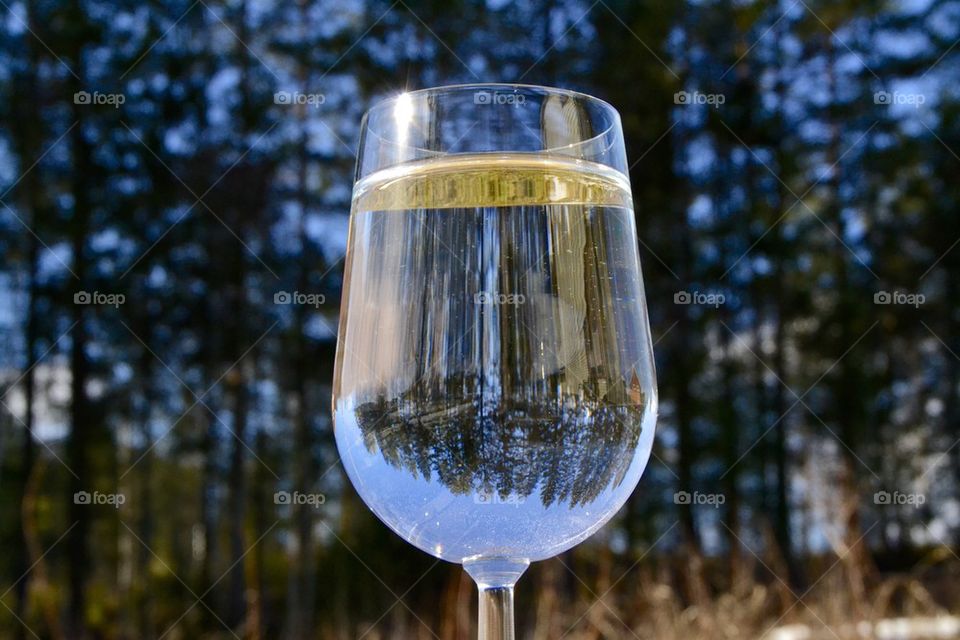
494 392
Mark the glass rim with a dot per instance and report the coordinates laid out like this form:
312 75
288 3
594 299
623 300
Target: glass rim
443 88
386 103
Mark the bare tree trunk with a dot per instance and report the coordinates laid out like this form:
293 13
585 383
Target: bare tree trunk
303 577
782 528
211 507
261 482
729 426
951 401
238 380
548 623
451 621
237 500
81 432
208 501
685 368
31 132
35 553
29 444
143 619
848 393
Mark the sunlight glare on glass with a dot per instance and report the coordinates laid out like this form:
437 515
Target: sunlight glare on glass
403 114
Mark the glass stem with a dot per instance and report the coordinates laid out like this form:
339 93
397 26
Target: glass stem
496 613
495 578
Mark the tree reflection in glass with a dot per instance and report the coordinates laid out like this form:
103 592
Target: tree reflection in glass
566 448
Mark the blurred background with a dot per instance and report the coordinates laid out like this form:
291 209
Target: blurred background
175 180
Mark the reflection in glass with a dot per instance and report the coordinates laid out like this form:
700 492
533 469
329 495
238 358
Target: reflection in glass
566 449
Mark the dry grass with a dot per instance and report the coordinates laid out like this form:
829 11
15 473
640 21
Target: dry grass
674 599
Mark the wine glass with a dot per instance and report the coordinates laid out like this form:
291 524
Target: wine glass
494 396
